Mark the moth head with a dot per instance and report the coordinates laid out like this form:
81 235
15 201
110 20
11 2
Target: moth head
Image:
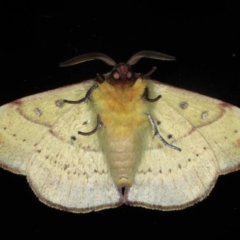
122 72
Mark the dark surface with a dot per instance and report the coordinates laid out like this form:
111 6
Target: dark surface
205 40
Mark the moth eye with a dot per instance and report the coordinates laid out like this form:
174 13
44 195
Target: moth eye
115 75
130 75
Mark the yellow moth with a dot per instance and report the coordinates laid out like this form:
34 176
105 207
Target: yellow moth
120 139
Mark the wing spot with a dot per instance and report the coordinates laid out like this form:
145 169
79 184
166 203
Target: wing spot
99 172
179 166
197 154
73 138
144 172
169 170
160 171
169 136
189 160
37 112
66 166
24 140
204 148
46 157
4 128
158 122
85 122
59 103
204 115
236 131
38 151
183 105
14 135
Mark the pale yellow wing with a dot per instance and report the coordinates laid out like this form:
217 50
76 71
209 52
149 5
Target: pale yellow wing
39 138
23 122
208 133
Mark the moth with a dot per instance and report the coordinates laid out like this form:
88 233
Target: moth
121 138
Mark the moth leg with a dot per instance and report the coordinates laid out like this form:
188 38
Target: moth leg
99 124
59 103
146 75
149 72
100 78
146 96
156 133
85 99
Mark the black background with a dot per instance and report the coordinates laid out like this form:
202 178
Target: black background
205 39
